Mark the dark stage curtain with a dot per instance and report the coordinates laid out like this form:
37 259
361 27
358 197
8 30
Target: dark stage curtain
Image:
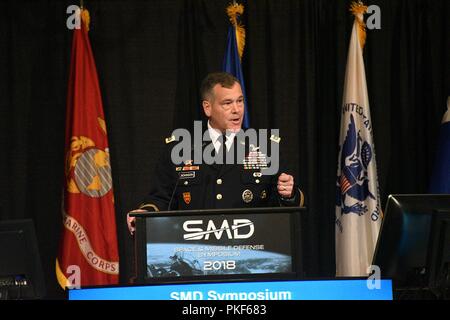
151 57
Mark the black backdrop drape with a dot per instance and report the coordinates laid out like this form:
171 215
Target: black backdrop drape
151 56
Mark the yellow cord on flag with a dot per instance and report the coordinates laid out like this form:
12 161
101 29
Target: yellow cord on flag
233 10
62 280
357 8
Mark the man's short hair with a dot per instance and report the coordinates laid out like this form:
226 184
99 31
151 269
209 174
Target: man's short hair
226 80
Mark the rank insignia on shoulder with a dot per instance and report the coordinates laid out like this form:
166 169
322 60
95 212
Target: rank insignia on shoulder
170 139
275 138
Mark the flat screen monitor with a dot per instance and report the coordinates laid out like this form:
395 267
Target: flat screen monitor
21 274
439 254
404 247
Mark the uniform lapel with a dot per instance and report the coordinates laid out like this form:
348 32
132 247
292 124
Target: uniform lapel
225 168
214 166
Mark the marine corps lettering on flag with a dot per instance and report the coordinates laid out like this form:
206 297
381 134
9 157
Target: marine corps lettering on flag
89 238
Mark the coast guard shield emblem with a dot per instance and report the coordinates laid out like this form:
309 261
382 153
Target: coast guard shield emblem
353 183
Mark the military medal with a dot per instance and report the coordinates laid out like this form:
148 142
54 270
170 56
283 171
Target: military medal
255 160
247 196
263 194
187 168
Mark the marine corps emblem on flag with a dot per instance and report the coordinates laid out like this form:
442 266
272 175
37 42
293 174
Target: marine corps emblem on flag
88 170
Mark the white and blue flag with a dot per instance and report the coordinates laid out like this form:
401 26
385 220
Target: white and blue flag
358 213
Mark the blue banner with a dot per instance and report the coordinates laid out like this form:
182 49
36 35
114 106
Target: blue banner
232 64
271 290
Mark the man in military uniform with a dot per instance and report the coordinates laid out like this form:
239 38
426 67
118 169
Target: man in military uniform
189 185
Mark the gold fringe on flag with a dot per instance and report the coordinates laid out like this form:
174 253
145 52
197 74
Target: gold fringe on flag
233 11
358 9
85 18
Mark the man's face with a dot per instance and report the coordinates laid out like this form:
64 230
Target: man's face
225 108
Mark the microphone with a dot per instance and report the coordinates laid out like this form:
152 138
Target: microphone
179 177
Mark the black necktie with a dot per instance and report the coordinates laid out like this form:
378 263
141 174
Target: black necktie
222 149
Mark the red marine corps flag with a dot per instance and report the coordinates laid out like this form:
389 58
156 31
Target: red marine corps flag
88 253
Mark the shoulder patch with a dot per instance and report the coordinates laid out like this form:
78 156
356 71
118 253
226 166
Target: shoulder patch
275 138
170 139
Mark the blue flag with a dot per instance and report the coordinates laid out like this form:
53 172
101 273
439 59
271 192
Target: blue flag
440 180
233 54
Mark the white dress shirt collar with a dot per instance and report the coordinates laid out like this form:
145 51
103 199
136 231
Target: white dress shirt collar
215 134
